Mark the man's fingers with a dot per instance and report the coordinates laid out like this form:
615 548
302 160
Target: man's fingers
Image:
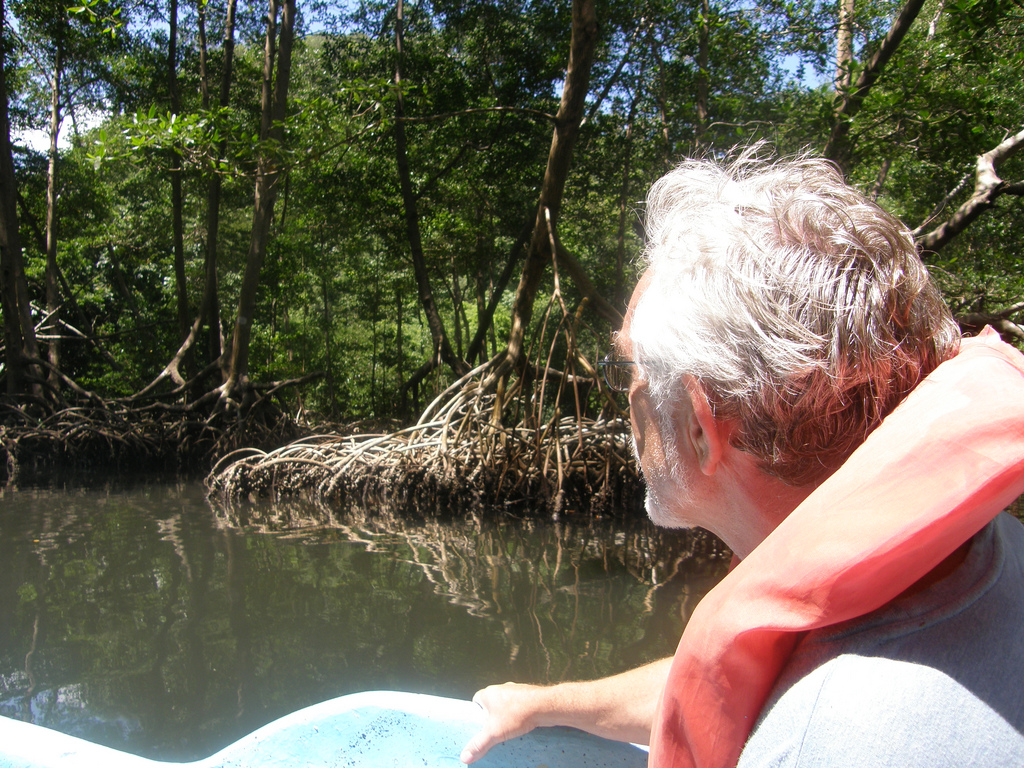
480 744
506 719
477 747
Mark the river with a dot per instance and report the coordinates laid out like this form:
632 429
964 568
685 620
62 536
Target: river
144 618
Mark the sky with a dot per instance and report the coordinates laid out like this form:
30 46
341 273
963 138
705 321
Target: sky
38 140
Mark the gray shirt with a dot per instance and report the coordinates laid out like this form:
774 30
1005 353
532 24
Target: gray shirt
934 679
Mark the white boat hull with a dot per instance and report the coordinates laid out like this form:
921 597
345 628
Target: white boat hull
378 729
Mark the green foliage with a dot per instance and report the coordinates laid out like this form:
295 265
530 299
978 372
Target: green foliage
480 82
951 95
98 12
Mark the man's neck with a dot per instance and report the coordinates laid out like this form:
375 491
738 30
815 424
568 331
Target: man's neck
753 504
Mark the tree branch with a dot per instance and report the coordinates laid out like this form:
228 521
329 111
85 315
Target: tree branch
851 100
481 110
615 76
987 189
975 321
960 187
582 279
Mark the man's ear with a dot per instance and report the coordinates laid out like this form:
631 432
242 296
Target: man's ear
707 435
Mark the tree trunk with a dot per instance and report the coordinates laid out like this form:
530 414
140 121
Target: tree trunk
177 201
840 147
482 278
210 310
703 46
880 177
403 398
661 100
442 346
52 288
844 48
458 310
19 333
268 176
567 125
327 325
625 208
485 321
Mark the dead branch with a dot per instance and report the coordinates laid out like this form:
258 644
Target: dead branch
973 322
988 187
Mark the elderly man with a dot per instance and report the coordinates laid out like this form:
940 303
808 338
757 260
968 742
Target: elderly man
876 613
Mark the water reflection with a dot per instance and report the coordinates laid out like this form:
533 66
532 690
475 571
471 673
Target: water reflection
145 620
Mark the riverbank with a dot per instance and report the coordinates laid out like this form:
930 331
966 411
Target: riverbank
113 439
574 466
444 465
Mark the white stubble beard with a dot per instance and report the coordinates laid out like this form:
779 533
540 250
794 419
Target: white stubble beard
659 508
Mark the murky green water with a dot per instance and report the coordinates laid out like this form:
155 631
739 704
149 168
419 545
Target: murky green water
141 619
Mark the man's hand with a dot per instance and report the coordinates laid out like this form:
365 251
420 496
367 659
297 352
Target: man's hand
620 708
512 710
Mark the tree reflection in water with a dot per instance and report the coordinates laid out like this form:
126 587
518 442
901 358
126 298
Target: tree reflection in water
146 620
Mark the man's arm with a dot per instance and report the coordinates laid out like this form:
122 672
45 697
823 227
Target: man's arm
621 707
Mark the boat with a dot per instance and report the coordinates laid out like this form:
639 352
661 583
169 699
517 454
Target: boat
376 728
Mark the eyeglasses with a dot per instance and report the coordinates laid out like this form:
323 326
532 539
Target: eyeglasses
618 374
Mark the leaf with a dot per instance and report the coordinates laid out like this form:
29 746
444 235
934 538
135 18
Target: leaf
27 593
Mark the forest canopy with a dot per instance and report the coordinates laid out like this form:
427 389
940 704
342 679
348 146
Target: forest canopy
206 200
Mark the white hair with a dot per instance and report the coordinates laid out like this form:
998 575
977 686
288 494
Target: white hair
800 306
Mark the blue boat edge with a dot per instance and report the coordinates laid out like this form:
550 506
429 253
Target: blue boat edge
372 728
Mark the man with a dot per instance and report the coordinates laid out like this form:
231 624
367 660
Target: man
877 615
